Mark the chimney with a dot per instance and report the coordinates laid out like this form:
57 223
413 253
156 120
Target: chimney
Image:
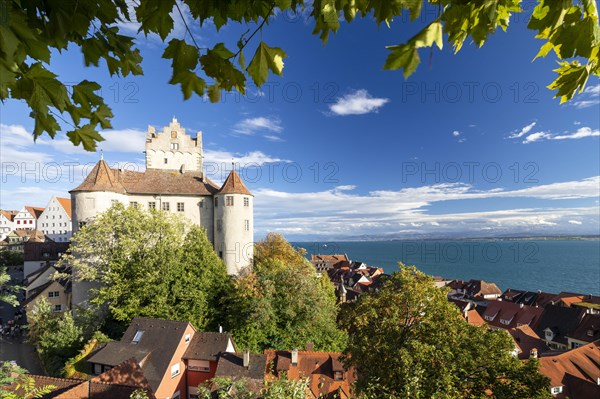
220 329
533 353
246 358
295 357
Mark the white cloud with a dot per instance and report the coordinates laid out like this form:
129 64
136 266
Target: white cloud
456 133
357 103
589 98
582 132
523 131
576 123
251 126
536 137
276 139
577 222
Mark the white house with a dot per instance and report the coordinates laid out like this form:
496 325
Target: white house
55 221
7 223
27 218
174 181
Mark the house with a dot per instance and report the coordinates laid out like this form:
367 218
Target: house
327 376
587 331
16 239
574 374
38 254
202 357
119 382
27 217
7 222
479 289
556 323
469 312
55 220
531 298
507 315
158 346
527 342
57 293
247 366
325 262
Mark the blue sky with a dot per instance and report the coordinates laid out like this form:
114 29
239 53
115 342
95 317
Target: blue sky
470 144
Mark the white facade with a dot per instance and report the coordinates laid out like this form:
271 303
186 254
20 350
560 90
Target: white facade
173 163
26 218
6 224
55 221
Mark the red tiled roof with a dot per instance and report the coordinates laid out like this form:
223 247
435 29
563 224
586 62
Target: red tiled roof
152 181
577 370
474 319
66 205
511 313
34 211
234 185
318 367
329 258
526 340
10 215
588 330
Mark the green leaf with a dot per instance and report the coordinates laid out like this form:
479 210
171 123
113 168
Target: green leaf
155 16
571 77
190 83
85 135
404 56
214 93
265 58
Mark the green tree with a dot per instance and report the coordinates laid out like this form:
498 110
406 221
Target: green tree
283 303
24 385
56 336
8 291
408 341
148 263
227 388
31 31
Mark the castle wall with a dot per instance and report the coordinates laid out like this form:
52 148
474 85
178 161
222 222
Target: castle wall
173 149
234 226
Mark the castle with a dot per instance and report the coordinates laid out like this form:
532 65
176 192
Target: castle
174 181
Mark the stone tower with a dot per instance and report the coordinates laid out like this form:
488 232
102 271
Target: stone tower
173 149
234 224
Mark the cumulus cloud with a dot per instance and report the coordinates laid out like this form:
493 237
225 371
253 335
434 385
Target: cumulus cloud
522 132
532 138
456 133
357 103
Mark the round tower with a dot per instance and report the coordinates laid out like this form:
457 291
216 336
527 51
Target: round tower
234 224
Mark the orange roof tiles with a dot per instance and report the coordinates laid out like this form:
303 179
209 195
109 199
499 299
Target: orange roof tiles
526 340
474 319
34 211
234 185
577 370
66 205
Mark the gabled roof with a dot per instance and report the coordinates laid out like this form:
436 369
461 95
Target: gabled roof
10 215
562 321
151 181
526 340
480 288
329 258
318 367
576 370
232 365
474 319
589 325
65 203
154 350
234 185
207 346
34 211
512 313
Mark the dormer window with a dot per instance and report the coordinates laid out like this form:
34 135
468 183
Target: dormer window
489 318
590 333
338 376
137 337
556 390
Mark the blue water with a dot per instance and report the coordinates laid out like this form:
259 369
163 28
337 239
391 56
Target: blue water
547 265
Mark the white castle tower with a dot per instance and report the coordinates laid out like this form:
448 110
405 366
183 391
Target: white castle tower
175 182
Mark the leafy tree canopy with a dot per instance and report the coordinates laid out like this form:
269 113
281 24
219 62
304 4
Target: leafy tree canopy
8 291
24 386
227 388
282 304
149 263
31 31
409 341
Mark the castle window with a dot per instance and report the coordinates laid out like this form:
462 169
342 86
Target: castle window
173 134
180 207
247 225
166 161
202 204
229 200
166 206
174 146
152 205
246 201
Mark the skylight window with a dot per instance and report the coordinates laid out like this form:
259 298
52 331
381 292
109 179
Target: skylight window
137 337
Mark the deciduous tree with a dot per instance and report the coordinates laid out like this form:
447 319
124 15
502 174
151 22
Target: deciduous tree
408 341
34 32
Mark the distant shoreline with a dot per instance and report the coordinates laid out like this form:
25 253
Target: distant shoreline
505 238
